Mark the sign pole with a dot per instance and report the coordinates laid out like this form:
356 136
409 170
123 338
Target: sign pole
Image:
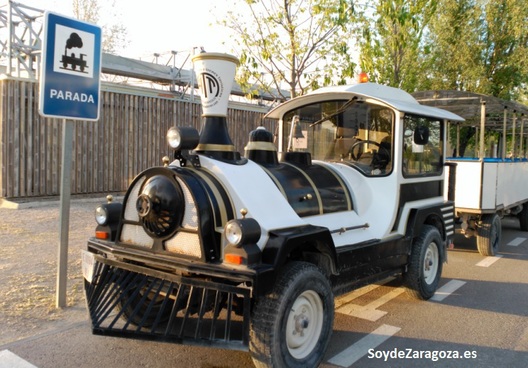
64 219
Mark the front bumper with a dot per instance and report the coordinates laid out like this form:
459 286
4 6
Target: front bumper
128 298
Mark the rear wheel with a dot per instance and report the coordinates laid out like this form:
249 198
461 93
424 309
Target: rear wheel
291 326
425 267
489 233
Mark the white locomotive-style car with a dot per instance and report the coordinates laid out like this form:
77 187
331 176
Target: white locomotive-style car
248 252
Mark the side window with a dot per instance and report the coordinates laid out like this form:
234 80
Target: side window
422 146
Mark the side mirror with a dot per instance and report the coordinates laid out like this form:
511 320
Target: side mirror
421 135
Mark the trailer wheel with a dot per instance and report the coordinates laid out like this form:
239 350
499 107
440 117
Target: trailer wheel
291 326
489 233
425 268
523 217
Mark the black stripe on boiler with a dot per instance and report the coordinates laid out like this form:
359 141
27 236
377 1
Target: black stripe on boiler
223 207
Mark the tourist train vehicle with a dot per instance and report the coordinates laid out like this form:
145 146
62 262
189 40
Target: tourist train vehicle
247 251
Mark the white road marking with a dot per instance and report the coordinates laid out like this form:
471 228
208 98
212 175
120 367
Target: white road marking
516 242
358 350
11 360
447 290
369 311
347 298
488 261
522 342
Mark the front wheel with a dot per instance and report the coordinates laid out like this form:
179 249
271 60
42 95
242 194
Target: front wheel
425 267
489 233
292 325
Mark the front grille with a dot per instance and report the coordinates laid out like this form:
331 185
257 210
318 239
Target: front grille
132 301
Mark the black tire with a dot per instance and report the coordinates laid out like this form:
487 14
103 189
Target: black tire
425 266
489 233
291 326
523 217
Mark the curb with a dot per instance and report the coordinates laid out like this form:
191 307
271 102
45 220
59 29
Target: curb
55 201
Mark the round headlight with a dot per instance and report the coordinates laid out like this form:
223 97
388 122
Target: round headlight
174 138
180 138
101 215
243 231
233 232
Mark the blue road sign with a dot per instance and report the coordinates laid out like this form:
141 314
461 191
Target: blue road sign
71 69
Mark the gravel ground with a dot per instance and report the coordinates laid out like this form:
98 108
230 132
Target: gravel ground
29 243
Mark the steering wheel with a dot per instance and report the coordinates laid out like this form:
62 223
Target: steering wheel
377 158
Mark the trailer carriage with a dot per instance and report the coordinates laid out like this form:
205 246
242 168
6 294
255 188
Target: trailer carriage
491 178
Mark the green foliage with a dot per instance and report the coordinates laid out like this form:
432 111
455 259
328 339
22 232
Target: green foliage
391 40
473 45
505 36
301 44
482 50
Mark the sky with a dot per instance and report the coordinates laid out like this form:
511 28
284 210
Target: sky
160 26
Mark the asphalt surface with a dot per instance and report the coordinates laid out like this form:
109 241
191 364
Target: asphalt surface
479 317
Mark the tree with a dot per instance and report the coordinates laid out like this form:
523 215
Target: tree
454 60
479 46
299 43
505 37
390 39
114 34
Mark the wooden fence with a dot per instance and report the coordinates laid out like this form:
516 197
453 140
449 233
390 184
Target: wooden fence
128 138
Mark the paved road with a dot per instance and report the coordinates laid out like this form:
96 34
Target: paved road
479 317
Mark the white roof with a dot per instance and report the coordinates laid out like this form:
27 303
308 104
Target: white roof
394 97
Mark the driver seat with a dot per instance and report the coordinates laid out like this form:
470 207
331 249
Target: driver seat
385 154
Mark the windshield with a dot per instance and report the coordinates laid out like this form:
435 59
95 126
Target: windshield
348 131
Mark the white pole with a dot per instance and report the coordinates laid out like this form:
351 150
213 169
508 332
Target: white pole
514 121
482 129
521 139
504 132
